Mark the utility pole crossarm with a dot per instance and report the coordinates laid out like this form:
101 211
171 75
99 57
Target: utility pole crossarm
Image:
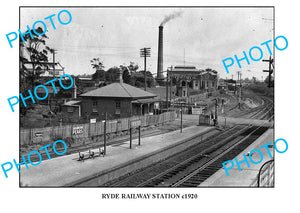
145 52
270 71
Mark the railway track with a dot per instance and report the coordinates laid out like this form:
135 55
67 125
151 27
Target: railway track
264 111
163 174
211 166
197 163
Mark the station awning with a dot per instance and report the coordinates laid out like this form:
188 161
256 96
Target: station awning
145 101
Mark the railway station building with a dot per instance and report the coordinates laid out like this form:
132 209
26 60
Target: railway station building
118 100
190 78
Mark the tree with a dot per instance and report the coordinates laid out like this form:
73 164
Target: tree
140 79
133 67
150 79
99 75
126 77
128 72
267 81
33 52
98 65
247 80
111 74
125 74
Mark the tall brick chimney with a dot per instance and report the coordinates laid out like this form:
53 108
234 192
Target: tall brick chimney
160 54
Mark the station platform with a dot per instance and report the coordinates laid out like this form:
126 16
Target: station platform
229 120
247 176
232 120
67 170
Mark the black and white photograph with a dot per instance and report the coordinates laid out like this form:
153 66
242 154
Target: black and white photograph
159 106
138 97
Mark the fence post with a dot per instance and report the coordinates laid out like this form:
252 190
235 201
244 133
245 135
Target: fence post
105 121
181 117
130 132
139 135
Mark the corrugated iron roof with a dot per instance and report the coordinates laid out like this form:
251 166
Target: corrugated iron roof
144 101
119 90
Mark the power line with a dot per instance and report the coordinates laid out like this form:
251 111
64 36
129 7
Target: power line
95 46
270 71
145 52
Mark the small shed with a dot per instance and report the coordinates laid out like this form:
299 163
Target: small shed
72 108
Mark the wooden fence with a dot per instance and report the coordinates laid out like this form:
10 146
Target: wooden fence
196 98
76 131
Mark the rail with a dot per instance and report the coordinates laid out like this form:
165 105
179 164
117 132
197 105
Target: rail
265 175
215 163
204 156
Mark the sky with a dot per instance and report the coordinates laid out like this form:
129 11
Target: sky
202 37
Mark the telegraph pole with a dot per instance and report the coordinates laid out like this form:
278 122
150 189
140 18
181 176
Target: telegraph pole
105 133
216 112
167 87
240 94
270 71
238 91
239 88
145 71
171 85
145 52
181 117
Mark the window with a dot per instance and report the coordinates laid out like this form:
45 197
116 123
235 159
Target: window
118 107
95 103
70 109
118 104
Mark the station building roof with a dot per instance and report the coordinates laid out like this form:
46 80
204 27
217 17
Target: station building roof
119 90
145 101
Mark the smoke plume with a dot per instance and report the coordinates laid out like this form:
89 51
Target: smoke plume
170 17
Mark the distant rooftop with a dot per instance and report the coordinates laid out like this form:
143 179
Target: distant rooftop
193 70
50 72
85 78
72 103
185 67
